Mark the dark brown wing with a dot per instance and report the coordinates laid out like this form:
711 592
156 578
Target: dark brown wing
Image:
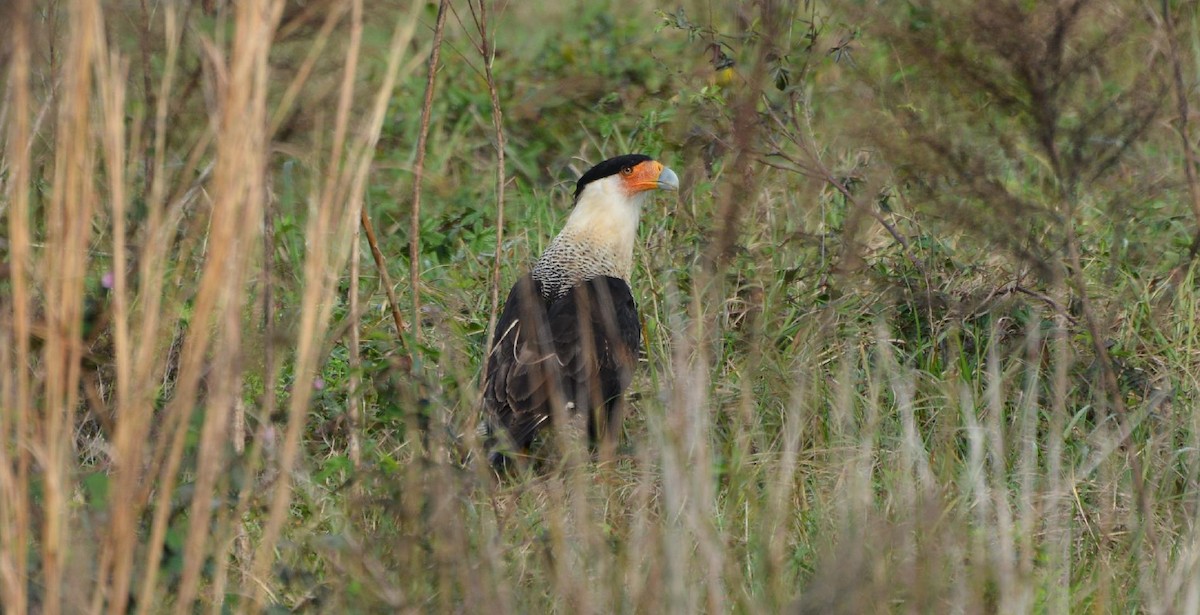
579 349
523 366
597 335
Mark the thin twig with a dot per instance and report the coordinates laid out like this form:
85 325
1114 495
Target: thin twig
147 87
878 217
352 319
1054 305
816 168
737 191
488 52
377 255
355 396
414 227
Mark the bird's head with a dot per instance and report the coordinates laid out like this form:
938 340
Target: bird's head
599 235
609 198
630 175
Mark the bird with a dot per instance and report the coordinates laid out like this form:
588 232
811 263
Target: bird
569 334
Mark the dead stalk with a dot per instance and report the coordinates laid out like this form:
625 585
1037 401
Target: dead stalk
111 85
487 53
414 226
14 426
137 408
354 400
335 212
381 265
238 191
68 225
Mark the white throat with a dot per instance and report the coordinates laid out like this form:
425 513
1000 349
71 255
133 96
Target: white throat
597 239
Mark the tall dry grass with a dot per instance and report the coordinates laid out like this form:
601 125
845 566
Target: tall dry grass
96 197
791 450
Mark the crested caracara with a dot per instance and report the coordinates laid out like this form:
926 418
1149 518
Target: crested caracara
570 333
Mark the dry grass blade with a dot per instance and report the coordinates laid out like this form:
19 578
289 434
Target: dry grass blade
111 79
990 408
68 227
338 208
137 404
15 513
239 189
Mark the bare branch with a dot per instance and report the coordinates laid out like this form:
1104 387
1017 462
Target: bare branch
414 226
488 53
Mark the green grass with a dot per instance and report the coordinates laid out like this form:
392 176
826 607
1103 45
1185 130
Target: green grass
825 420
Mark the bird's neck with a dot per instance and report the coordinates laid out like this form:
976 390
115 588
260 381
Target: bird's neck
597 240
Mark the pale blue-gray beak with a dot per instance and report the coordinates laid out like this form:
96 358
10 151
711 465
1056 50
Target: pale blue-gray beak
668 180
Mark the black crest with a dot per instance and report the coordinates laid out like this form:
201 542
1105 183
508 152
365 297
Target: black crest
612 166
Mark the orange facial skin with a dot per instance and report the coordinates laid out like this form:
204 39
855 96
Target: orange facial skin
641 177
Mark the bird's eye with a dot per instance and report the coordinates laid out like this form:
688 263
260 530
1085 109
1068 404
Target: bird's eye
627 171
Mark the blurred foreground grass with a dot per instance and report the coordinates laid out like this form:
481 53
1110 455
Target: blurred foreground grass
922 330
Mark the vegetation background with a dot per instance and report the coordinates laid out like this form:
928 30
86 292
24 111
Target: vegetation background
921 326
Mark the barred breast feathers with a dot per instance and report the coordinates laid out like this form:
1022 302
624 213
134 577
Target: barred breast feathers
597 239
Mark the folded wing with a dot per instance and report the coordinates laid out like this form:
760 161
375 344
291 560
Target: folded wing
577 350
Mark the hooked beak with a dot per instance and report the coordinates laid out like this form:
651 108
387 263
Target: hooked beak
650 175
667 180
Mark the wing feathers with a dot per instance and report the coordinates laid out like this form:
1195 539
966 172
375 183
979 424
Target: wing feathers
579 349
